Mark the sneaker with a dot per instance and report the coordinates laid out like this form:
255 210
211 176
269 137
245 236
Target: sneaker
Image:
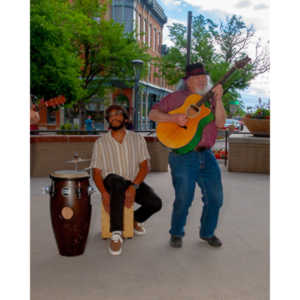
213 241
139 228
116 241
176 241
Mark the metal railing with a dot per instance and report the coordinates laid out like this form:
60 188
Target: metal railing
80 132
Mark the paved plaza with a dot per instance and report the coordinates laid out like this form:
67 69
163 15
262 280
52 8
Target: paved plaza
149 269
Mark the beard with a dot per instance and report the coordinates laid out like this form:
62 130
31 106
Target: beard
115 128
203 91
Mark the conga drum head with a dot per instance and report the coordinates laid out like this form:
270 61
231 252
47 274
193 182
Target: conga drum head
69 174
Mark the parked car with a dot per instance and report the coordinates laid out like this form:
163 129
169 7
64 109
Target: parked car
232 124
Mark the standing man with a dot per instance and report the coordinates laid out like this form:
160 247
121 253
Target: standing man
198 166
120 164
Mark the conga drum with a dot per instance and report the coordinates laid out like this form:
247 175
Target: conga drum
70 210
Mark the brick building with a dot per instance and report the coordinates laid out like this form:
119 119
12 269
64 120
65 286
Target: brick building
147 18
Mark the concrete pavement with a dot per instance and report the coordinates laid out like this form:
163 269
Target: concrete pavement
148 268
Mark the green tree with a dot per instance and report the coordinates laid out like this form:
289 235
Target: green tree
218 47
76 52
55 65
106 52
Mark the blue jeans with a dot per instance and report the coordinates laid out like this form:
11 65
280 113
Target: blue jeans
187 170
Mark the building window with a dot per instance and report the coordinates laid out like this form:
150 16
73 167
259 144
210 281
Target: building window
51 115
144 31
150 36
138 27
159 42
149 72
154 44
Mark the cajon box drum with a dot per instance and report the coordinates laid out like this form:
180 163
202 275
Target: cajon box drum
127 223
70 210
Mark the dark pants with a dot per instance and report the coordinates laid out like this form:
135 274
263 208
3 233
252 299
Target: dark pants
145 196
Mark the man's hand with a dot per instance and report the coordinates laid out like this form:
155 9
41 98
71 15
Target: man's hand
130 196
218 92
106 201
180 119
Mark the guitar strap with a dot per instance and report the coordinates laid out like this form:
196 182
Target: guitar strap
197 138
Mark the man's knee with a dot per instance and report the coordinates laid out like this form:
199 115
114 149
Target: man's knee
113 181
155 204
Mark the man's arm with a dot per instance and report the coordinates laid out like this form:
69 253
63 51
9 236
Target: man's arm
220 113
130 192
100 185
143 171
34 117
159 116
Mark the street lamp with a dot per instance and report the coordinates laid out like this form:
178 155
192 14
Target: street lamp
137 68
233 106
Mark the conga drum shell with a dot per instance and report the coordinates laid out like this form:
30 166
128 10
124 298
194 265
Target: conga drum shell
70 211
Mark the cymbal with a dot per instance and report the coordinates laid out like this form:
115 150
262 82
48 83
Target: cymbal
75 161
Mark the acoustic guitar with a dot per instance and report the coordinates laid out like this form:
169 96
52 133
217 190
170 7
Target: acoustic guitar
197 109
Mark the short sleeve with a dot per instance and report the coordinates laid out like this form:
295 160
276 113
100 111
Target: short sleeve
163 105
143 153
171 101
96 161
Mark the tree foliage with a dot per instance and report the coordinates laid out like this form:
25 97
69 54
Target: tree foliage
55 65
217 47
76 52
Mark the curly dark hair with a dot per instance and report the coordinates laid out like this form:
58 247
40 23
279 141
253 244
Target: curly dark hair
116 107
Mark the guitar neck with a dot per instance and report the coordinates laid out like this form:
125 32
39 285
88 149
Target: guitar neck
210 93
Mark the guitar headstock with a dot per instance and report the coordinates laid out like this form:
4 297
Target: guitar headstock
52 102
242 63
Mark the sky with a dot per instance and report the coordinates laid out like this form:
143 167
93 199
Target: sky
253 12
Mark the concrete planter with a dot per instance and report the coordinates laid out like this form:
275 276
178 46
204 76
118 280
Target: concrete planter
51 152
258 127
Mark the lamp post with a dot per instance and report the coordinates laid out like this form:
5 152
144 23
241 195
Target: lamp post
233 106
137 68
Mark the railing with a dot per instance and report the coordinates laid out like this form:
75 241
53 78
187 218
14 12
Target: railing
80 132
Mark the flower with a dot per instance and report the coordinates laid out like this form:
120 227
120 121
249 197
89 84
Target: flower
260 113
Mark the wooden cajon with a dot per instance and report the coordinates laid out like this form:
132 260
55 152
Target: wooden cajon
127 223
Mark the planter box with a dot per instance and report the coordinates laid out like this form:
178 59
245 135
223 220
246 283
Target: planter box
249 154
258 127
50 153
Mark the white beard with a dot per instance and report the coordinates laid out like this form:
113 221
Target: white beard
209 85
181 85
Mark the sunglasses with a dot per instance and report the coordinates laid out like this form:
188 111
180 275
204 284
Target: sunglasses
115 113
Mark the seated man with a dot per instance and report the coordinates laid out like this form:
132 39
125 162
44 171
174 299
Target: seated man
119 164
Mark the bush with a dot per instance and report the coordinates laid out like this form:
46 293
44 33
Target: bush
68 126
260 113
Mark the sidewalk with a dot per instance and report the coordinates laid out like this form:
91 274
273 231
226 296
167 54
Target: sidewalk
149 269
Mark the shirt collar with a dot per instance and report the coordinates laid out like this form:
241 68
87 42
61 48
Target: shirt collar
125 136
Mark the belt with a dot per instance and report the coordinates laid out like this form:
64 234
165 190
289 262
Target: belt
201 149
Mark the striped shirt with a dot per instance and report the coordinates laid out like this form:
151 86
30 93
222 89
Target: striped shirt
122 159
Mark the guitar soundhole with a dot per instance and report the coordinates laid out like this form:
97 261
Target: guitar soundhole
193 111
